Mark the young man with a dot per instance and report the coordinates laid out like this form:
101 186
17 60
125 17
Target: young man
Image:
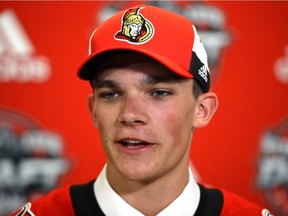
150 79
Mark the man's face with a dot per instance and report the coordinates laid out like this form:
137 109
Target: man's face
134 29
144 114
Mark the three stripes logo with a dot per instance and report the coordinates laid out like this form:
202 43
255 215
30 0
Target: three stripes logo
18 61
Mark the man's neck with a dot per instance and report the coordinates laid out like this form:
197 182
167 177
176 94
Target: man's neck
152 196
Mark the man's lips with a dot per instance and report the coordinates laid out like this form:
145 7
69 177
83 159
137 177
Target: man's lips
133 143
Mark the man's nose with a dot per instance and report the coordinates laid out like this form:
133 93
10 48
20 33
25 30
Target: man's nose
133 112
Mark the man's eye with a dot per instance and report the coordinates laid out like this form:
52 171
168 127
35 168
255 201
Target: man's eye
109 95
160 93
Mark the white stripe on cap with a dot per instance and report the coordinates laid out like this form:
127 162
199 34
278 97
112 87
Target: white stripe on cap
90 41
199 49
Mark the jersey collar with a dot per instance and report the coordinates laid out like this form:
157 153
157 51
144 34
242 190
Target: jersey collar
112 204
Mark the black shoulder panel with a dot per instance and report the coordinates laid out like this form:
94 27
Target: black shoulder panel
211 202
84 201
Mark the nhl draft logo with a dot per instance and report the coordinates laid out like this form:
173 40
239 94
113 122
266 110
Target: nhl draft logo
31 161
135 28
272 177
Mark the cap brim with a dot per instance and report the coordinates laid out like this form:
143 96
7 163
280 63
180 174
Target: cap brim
88 67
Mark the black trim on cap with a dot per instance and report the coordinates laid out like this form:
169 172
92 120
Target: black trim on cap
200 72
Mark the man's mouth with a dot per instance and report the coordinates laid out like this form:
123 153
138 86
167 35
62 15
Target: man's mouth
131 143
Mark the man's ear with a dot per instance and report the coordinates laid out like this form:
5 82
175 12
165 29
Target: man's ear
206 106
91 101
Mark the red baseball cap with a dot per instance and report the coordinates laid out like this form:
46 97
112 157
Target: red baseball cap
167 37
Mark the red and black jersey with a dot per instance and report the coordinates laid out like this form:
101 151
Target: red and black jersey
79 200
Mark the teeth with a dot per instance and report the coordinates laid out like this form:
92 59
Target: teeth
127 142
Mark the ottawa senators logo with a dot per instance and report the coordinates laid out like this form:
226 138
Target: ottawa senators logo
135 28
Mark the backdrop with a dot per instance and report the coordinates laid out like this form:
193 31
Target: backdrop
47 138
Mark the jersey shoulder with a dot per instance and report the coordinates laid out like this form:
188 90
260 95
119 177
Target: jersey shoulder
238 206
57 202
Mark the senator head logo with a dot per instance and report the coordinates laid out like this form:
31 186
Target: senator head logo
135 28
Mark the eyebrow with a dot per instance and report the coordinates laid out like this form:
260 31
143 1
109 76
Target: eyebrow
149 80
105 83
